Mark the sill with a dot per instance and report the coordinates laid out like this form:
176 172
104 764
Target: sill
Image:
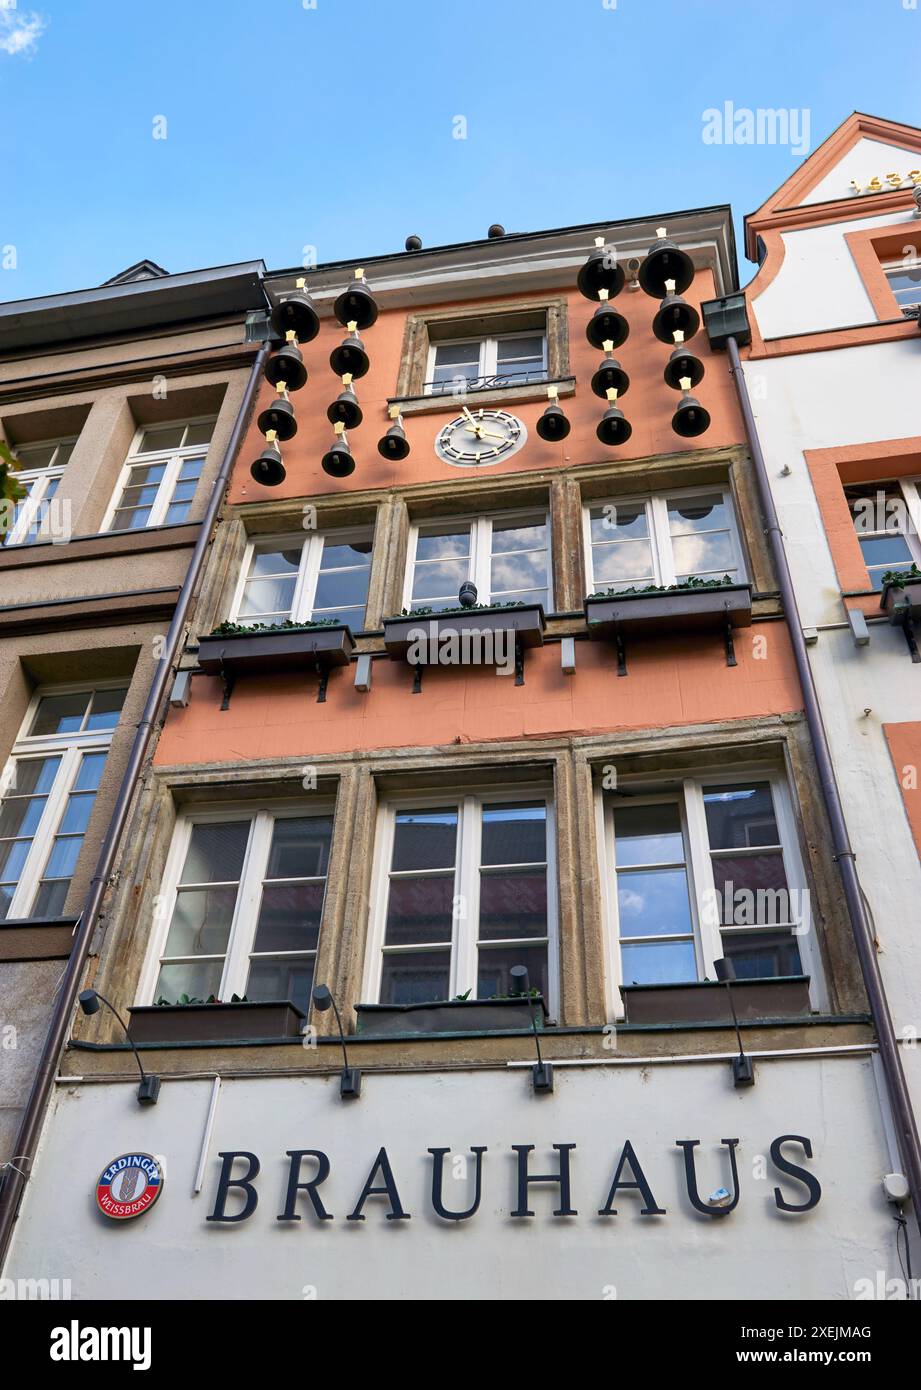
99 544
498 395
707 1001
36 938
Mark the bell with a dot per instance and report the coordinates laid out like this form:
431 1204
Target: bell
394 444
690 419
665 261
606 325
356 304
268 468
295 313
600 272
345 407
609 374
675 315
286 367
683 363
613 427
279 416
553 424
350 358
338 461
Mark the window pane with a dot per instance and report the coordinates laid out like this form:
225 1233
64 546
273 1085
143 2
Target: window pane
347 588
201 922
513 903
712 554
136 496
176 512
419 910
446 544
494 967
352 617
659 963
289 917
145 473
106 708
77 814
198 979
281 979
629 562
514 834
341 554
87 778
35 455
216 851
689 514
457 354
425 840
513 349
757 955
415 977
272 561
512 536
300 847
648 834
50 899
20 815
190 469
62 861
619 521
200 433
131 520
654 902
513 572
762 881
161 439
740 816
60 714
36 775
442 580
13 855
269 597
885 550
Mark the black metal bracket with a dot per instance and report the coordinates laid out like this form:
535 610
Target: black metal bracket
229 681
323 673
730 644
417 679
621 653
519 662
908 628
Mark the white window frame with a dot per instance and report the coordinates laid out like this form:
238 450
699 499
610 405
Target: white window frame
480 559
305 585
462 972
488 359
30 507
659 535
687 794
901 265
909 490
71 747
262 817
173 458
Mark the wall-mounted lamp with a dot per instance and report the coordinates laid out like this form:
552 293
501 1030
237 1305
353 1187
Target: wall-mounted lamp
350 1077
149 1089
542 1073
743 1068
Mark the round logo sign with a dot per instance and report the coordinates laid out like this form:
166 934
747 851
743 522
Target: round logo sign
129 1186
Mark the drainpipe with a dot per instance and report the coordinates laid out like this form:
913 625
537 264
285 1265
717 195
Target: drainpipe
907 1131
59 1030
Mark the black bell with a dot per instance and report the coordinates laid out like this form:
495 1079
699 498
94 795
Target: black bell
279 416
614 427
296 314
610 374
553 424
286 368
690 419
606 325
338 461
350 358
394 444
600 272
268 468
682 364
675 315
665 261
356 304
345 408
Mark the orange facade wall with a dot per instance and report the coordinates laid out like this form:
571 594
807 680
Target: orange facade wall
681 681
904 742
649 405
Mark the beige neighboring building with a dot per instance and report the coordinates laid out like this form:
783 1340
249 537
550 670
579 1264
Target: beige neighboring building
119 403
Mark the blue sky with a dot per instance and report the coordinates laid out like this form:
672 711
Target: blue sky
333 127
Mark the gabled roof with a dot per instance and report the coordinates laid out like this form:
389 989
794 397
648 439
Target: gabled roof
781 208
141 270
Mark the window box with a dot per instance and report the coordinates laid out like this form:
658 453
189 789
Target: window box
901 601
669 610
243 1022
526 621
229 655
451 1016
707 1001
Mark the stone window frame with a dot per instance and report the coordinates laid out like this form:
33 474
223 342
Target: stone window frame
490 319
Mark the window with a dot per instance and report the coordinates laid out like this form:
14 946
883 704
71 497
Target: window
41 468
886 521
290 577
904 278
245 892
645 541
478 364
464 891
49 787
506 556
160 476
704 869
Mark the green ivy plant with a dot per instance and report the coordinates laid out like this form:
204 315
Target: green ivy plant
10 490
248 629
897 579
688 584
446 612
191 999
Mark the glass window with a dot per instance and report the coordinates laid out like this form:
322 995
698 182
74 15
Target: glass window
507 557
41 468
305 580
905 282
160 476
885 518
636 543
477 364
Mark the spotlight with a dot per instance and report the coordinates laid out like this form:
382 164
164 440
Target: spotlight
149 1088
349 1077
542 1073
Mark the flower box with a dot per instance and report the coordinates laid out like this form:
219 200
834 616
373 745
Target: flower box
670 610
241 1022
707 1001
524 621
901 601
291 649
451 1016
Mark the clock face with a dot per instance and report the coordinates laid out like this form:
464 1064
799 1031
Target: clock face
480 437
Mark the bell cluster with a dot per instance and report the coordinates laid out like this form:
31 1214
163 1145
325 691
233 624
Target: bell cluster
296 321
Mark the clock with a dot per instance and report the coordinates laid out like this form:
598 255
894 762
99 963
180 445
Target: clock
480 437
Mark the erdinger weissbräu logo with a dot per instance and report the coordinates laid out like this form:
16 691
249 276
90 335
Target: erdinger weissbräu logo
129 1186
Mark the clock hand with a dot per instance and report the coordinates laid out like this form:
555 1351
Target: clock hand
491 434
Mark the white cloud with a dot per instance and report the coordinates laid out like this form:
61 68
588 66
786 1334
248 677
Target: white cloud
20 30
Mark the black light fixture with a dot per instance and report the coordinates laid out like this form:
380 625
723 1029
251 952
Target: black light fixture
542 1072
268 468
350 358
349 1077
413 243
743 1068
286 367
665 262
553 424
279 416
606 325
467 594
338 461
295 313
613 427
394 444
600 272
691 418
610 374
345 407
675 316
149 1089
356 304
683 363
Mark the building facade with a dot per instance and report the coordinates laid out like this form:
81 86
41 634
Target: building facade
468 689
